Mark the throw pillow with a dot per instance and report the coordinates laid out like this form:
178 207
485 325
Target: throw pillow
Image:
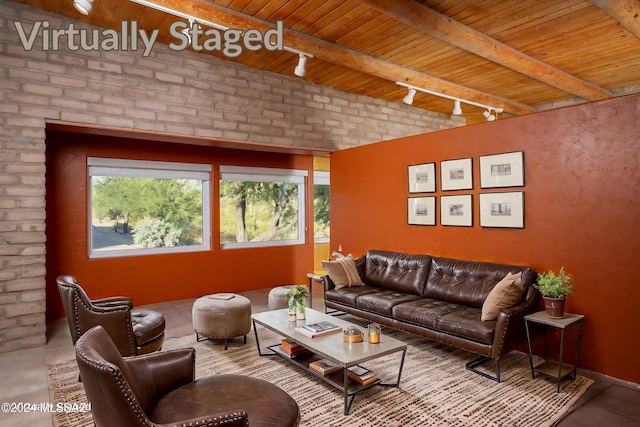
343 272
504 295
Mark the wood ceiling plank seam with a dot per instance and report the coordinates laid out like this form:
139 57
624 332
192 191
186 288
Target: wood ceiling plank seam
360 27
396 45
478 12
104 14
283 12
262 10
368 23
366 32
298 20
524 24
152 18
340 21
315 21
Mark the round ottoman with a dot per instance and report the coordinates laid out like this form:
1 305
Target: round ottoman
278 298
221 316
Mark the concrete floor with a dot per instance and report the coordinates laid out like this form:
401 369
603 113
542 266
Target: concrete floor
23 374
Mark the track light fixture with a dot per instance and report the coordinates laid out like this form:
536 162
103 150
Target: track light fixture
409 98
457 110
489 116
300 69
83 6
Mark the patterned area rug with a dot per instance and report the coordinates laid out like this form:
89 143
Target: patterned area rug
435 390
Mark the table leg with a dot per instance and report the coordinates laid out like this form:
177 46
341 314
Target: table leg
575 366
526 326
255 331
561 358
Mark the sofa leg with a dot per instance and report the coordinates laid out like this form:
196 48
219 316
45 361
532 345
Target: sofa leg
481 360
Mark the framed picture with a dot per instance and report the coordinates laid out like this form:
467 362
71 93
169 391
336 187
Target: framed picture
456 174
502 209
456 210
502 170
422 210
422 178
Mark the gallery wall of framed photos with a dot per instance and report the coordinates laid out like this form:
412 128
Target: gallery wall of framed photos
497 208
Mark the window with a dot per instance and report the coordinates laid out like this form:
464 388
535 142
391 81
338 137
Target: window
145 207
321 207
261 207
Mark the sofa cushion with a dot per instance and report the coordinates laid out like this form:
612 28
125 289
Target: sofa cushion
343 272
348 296
396 271
382 302
505 294
454 319
468 282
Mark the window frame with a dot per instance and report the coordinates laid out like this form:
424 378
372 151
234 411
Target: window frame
321 178
263 174
101 166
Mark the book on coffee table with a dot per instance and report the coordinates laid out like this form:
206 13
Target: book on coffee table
361 375
319 328
325 366
291 347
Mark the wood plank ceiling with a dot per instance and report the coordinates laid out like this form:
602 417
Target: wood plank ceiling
519 55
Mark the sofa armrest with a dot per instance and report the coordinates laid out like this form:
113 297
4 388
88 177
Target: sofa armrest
327 283
510 329
167 370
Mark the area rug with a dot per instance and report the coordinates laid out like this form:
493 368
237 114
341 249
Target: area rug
435 389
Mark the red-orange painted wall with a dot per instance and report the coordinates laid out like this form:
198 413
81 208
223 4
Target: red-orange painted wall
157 278
582 210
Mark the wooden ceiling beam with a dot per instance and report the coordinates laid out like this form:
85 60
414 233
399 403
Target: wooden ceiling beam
333 53
626 12
453 32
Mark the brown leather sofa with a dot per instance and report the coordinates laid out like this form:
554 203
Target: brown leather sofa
133 331
440 299
160 389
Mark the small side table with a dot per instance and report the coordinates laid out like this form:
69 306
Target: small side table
558 370
313 277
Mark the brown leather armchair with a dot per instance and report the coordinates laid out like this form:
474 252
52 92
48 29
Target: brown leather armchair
159 389
132 331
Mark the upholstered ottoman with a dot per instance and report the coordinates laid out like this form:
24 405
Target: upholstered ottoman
221 316
278 298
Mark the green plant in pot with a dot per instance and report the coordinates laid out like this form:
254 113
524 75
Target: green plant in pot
297 300
554 289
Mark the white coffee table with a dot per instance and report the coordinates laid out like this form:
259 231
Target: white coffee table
330 346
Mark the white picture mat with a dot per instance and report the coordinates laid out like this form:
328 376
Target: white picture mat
422 210
456 174
502 170
422 178
502 209
456 210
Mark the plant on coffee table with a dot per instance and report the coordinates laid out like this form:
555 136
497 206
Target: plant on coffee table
297 300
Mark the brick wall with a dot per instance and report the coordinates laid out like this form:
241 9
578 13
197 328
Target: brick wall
180 93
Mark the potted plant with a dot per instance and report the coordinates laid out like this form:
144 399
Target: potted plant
554 289
297 301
